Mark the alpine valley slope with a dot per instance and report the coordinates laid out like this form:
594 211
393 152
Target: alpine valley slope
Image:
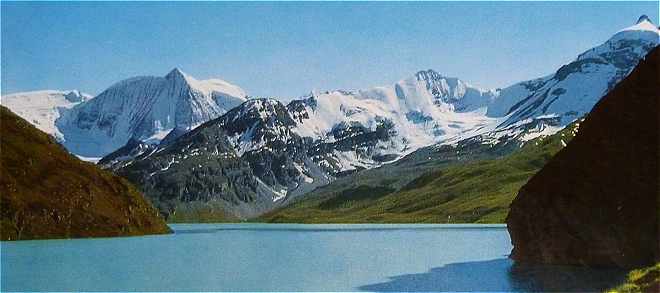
48 193
465 183
290 150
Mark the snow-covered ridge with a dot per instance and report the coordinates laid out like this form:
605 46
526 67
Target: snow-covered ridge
42 108
644 24
424 108
145 108
575 88
429 107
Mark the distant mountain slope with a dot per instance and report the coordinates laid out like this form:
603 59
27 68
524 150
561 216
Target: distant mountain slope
48 193
453 186
596 202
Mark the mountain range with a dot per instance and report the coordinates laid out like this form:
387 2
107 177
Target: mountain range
195 145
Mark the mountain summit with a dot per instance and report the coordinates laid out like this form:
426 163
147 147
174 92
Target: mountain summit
145 108
175 73
644 29
643 18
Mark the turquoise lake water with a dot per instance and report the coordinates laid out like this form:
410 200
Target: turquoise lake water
284 257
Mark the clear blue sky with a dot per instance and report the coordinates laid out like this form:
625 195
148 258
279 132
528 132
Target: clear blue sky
287 49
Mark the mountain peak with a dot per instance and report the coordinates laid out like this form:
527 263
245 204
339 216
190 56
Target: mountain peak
644 29
643 18
74 96
428 74
175 73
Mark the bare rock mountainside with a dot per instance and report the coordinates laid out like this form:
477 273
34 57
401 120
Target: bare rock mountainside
596 202
48 193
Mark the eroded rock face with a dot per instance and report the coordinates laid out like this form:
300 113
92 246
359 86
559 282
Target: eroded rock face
597 201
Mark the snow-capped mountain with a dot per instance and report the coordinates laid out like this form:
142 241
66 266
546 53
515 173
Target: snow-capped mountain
417 111
42 108
288 150
146 109
247 160
353 130
575 88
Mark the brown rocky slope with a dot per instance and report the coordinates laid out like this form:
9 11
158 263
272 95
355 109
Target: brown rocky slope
47 193
596 202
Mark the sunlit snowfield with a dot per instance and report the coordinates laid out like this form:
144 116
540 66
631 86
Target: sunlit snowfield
270 257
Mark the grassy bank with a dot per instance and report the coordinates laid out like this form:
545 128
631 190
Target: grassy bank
646 280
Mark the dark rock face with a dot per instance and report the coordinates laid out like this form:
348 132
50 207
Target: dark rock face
596 202
48 193
198 166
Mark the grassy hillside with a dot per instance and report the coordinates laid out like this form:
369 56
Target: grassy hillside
201 212
479 191
47 193
646 280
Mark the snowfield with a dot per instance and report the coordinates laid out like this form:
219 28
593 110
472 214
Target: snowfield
42 108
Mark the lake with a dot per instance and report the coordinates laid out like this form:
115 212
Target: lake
289 257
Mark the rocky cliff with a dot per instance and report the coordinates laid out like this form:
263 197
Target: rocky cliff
596 201
48 193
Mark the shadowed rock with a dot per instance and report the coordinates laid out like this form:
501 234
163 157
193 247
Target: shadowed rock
596 201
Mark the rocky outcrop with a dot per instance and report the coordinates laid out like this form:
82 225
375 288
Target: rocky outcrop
48 193
596 202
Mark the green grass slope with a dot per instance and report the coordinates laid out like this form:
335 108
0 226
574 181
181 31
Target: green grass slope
45 192
201 212
479 191
646 280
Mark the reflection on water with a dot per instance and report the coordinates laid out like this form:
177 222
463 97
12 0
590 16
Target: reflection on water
502 275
